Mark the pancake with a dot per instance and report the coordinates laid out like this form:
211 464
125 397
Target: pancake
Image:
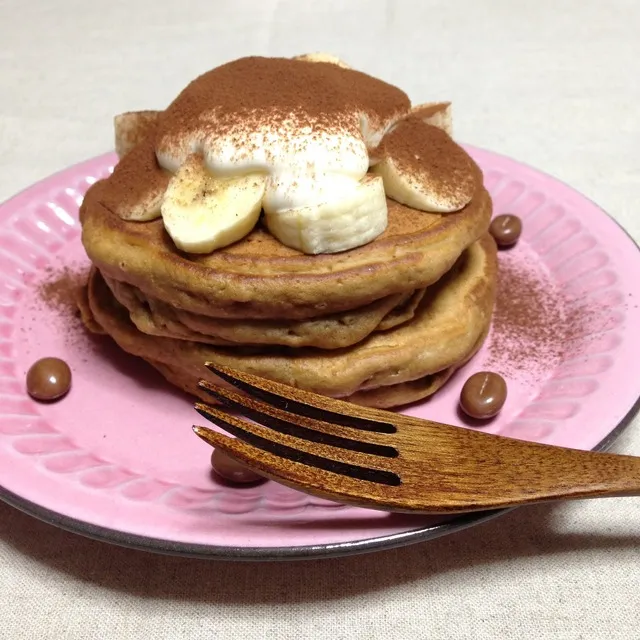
157 318
258 277
402 312
448 327
394 395
384 397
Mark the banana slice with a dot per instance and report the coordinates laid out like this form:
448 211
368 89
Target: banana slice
322 57
131 128
373 129
356 218
423 168
437 114
202 212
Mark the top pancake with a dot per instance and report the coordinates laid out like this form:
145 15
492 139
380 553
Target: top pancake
258 277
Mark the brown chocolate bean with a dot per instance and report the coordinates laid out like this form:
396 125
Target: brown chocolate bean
483 395
506 229
48 379
230 469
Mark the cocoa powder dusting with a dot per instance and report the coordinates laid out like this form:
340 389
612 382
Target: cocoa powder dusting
241 96
138 181
429 154
60 291
255 85
534 328
527 330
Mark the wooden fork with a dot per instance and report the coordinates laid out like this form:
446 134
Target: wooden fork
384 460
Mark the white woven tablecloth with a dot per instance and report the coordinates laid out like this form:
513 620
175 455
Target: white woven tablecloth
553 83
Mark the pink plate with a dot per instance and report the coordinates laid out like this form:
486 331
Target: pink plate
116 459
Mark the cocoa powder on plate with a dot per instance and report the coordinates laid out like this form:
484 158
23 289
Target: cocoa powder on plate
529 324
61 288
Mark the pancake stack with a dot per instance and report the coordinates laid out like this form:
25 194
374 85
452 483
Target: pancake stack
381 324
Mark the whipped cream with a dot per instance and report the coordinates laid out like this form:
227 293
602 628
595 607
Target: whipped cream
304 166
317 147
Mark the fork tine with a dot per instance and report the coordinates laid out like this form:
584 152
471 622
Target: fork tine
296 475
306 403
344 462
301 426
